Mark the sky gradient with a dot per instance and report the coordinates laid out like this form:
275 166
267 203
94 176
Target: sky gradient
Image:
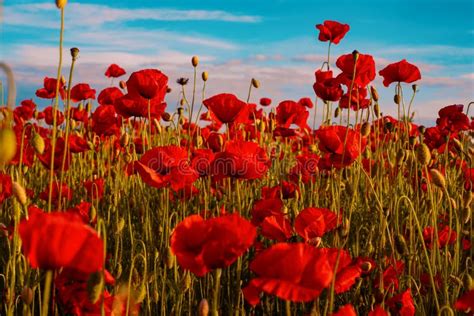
273 41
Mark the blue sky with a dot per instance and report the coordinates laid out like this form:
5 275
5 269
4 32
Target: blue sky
273 41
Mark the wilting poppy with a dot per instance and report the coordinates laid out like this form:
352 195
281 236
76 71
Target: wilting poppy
226 107
203 245
401 71
332 31
114 71
60 240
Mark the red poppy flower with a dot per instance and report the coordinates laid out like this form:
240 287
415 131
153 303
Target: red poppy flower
108 96
58 189
402 304
59 149
150 84
364 70
306 102
60 240
5 187
326 87
114 71
83 210
266 207
378 311
445 236
24 112
452 119
81 92
129 105
201 161
49 90
77 144
276 228
346 310
226 107
265 101
203 245
391 275
105 121
465 303
48 116
290 112
78 114
401 71
306 167
332 31
241 160
295 272
314 222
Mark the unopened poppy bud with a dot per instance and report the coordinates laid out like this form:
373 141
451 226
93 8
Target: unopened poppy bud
169 258
166 117
377 110
374 93
128 158
95 286
122 85
156 295
199 141
120 225
438 178
457 144
255 83
60 4
157 125
220 140
37 142
203 309
195 61
396 99
423 154
468 284
180 111
345 228
124 139
74 53
365 129
187 281
204 76
140 293
19 192
400 244
337 112
27 295
313 148
355 55
7 145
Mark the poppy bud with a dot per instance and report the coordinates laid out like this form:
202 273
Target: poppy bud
345 228
412 140
337 112
166 117
204 76
157 125
365 129
128 158
366 266
203 309
423 154
313 148
457 144
19 192
60 4
180 110
124 139
37 142
95 286
156 295
374 93
421 129
27 295
377 110
467 198
169 258
221 141
261 126
438 178
199 141
122 85
255 83
92 214
140 293
120 225
74 53
187 281
7 145
468 284
396 99
355 55
401 245
168 90
195 61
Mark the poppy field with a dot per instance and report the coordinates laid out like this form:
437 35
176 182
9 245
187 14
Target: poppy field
114 202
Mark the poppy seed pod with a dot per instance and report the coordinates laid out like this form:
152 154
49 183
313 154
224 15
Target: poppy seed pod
377 110
166 117
355 55
396 99
74 53
255 83
337 112
60 4
365 129
122 85
438 178
140 293
423 154
414 88
400 244
195 61
204 76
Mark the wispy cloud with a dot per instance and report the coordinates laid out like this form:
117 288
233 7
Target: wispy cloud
95 15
